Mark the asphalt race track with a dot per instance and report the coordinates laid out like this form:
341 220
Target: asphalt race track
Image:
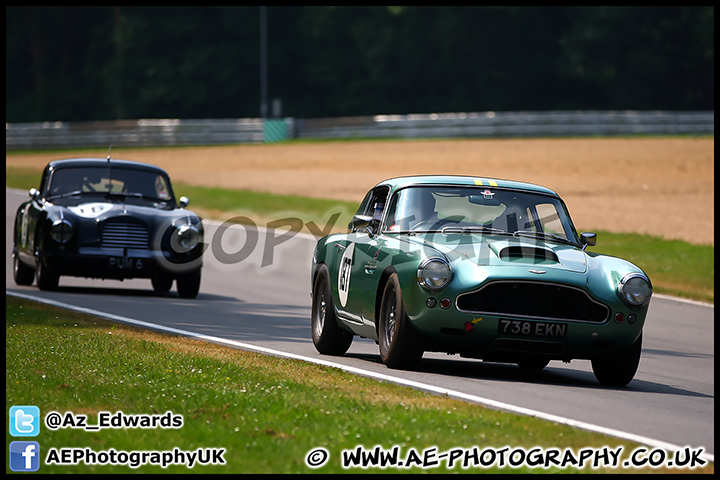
670 402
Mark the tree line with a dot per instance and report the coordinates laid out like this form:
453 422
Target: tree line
128 62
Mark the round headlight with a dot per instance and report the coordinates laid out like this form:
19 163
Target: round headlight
185 238
61 231
635 289
434 273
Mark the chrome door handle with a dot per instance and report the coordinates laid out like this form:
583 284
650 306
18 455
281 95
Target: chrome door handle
370 268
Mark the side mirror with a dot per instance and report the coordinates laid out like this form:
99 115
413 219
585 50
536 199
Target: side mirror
360 221
363 221
183 202
588 239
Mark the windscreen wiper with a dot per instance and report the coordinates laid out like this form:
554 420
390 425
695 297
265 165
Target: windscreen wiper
67 194
130 194
475 229
549 236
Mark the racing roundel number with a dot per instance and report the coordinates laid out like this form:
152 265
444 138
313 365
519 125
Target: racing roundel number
344 274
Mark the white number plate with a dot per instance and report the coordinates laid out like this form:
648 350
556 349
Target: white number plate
532 329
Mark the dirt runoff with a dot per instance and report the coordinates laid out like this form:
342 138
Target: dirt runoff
658 186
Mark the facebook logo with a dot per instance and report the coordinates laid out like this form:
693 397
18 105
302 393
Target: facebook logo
24 456
24 421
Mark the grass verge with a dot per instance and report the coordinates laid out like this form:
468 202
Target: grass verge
266 413
675 267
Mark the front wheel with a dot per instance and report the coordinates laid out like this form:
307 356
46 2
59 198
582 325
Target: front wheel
617 369
327 336
45 277
188 285
161 282
400 345
22 274
533 364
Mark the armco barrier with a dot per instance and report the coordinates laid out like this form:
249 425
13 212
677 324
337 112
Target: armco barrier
162 132
143 132
511 124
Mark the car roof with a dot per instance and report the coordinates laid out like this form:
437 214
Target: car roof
102 162
462 180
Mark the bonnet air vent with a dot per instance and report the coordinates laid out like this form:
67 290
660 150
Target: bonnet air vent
528 254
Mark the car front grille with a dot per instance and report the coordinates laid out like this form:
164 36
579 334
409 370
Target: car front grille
533 300
125 234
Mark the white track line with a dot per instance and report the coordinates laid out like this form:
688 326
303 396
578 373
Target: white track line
358 371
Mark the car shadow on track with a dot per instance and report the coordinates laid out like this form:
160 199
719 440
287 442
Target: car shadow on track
138 292
504 372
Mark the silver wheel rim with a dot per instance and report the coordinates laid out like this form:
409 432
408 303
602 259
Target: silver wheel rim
390 319
320 314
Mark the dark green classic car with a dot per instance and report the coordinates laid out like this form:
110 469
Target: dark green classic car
485 268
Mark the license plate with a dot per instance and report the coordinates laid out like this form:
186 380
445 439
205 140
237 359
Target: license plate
126 263
532 329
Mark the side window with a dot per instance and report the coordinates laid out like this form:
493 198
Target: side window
43 180
364 204
373 205
161 189
377 203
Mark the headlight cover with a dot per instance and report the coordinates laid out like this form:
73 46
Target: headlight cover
185 238
61 231
434 273
635 289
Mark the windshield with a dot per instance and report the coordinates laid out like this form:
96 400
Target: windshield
478 210
123 181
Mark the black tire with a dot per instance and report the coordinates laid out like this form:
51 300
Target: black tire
618 369
45 277
188 285
162 282
327 336
22 274
400 346
533 364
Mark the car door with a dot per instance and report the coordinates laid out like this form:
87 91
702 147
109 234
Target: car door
351 266
348 302
365 270
32 213
26 222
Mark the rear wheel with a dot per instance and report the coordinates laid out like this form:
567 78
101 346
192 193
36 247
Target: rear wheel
328 337
400 345
617 369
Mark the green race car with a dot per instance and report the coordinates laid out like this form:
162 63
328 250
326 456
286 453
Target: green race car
485 268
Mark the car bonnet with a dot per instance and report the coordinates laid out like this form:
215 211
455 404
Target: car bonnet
496 250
